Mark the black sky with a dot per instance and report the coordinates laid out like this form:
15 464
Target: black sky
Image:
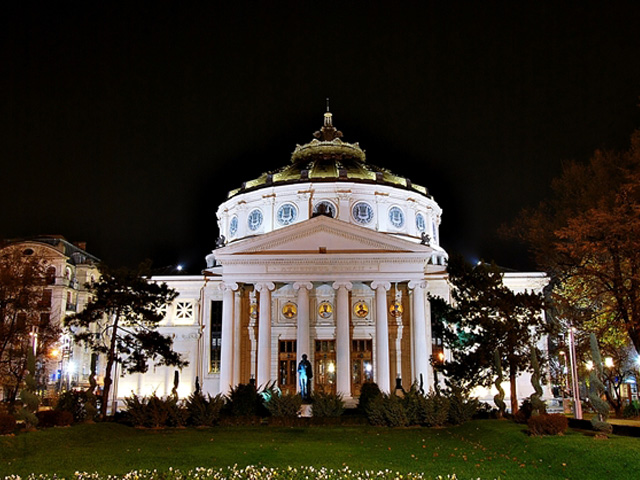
125 125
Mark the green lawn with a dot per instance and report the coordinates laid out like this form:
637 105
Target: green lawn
485 449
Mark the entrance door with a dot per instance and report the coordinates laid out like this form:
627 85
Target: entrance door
287 367
361 365
325 366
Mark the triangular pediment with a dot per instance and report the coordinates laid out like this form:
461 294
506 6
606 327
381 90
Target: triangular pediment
322 235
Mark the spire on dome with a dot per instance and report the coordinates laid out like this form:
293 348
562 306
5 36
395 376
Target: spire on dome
328 132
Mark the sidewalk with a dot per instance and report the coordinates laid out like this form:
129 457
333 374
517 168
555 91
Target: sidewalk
621 426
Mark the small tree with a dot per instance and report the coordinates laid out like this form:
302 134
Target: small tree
486 317
121 321
28 395
597 390
499 397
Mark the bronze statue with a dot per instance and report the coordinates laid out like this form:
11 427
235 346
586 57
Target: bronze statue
305 374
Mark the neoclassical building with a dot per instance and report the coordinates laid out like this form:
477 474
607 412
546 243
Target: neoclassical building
328 256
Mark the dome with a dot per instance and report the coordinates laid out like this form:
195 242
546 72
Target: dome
328 159
330 177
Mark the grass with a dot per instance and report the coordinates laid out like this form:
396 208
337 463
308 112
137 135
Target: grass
485 449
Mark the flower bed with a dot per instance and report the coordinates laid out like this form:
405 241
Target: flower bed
249 472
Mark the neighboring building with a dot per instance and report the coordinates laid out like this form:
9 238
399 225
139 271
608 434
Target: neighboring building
329 257
69 267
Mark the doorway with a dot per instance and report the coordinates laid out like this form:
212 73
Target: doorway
325 366
361 364
287 366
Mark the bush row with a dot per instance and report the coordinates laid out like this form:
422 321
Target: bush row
433 409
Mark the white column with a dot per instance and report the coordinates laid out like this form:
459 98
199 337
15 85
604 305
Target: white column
226 341
302 339
382 336
343 340
236 339
422 347
264 333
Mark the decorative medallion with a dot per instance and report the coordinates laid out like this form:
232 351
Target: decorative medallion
253 310
255 220
287 214
289 310
396 217
395 309
362 213
361 309
421 224
325 310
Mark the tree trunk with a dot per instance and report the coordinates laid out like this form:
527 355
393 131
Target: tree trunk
514 393
111 356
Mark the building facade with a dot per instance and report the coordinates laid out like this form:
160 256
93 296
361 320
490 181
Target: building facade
328 257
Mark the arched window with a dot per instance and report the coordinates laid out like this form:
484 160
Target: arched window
51 275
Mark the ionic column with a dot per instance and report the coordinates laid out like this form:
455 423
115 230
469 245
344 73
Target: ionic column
264 333
343 340
302 339
382 336
236 340
421 335
226 347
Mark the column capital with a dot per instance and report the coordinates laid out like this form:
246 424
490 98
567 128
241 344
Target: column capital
413 284
342 284
266 286
233 286
305 285
378 284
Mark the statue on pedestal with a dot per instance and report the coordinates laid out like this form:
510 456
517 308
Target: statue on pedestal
305 374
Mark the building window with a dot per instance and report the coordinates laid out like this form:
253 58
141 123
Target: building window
324 208
216 336
255 220
51 275
362 213
421 224
287 214
233 226
396 217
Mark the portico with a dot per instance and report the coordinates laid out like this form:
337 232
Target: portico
335 291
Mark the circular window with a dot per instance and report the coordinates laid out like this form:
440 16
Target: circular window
287 214
27 251
324 208
255 220
421 224
362 213
233 226
396 217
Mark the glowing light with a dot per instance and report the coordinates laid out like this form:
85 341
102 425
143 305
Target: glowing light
54 353
179 268
589 365
368 367
331 368
608 362
441 356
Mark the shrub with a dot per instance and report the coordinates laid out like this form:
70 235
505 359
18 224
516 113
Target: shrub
414 404
327 405
632 410
375 411
368 392
524 412
394 411
282 404
461 407
7 423
54 418
155 412
203 411
548 424
245 401
436 410
73 402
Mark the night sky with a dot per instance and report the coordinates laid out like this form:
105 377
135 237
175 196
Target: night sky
125 126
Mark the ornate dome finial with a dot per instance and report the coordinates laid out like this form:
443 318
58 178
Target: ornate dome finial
328 132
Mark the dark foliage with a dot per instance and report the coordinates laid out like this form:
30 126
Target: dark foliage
548 424
54 418
7 424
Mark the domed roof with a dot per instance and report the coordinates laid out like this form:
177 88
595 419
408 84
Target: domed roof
328 159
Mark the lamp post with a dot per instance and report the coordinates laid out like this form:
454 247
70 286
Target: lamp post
577 406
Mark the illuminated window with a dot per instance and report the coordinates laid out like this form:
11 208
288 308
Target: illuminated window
216 336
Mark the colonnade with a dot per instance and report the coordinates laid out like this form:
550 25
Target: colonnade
420 331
